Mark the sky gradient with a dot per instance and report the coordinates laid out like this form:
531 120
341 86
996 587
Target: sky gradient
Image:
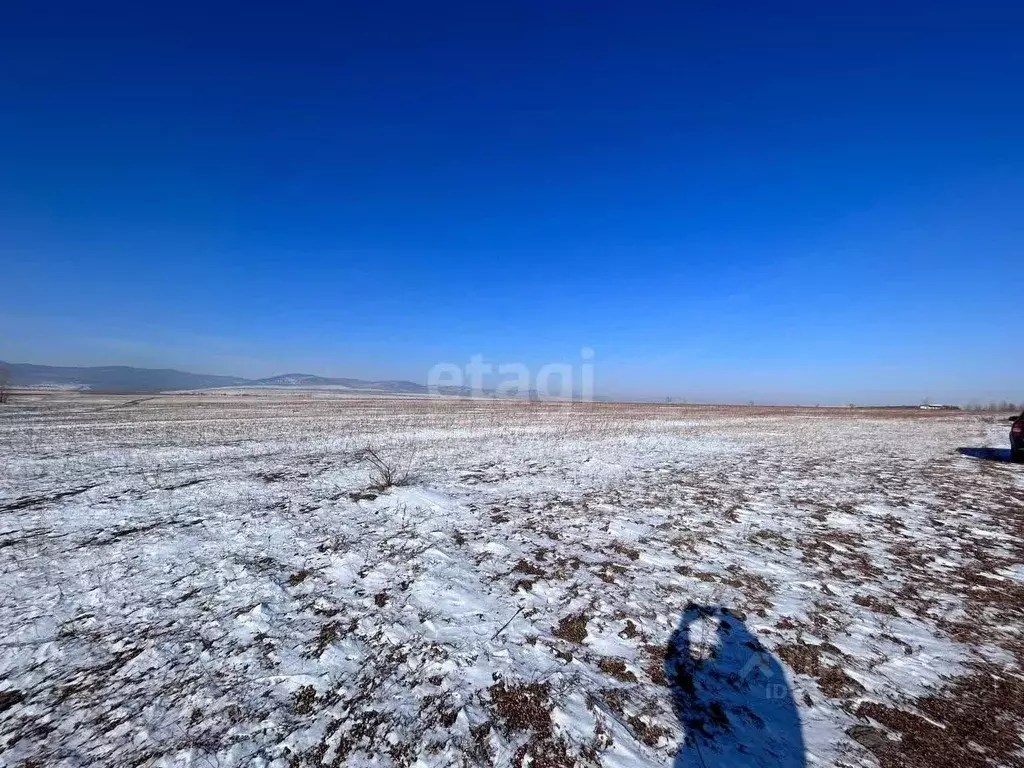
814 202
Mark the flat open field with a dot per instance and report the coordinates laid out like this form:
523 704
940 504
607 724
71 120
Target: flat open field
213 580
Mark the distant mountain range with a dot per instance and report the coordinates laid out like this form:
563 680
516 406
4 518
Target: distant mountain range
120 378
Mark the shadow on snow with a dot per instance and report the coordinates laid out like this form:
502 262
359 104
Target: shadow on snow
730 694
987 454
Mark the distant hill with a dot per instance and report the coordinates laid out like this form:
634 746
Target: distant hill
310 381
120 378
112 378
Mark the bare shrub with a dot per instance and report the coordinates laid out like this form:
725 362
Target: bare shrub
5 381
385 473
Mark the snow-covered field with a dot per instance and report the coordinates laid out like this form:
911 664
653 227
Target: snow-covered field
212 580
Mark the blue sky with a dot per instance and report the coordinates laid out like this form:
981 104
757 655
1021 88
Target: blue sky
821 202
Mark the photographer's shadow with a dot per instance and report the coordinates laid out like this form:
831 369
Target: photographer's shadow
730 694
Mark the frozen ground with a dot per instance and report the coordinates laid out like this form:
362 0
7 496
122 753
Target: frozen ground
210 580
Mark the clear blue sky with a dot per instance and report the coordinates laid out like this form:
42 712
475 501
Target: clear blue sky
770 201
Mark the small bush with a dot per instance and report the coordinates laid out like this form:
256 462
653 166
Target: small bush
384 474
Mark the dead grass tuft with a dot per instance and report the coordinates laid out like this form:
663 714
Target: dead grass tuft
651 735
525 566
876 605
975 723
616 668
303 700
630 631
807 659
522 706
572 628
